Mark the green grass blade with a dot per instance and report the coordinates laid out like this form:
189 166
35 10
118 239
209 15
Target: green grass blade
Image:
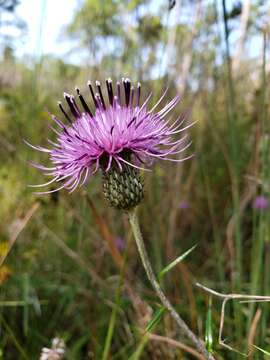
13 338
262 350
138 352
110 331
149 327
156 319
115 311
175 262
26 291
209 328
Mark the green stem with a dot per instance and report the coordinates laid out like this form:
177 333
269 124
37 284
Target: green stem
109 336
152 278
112 323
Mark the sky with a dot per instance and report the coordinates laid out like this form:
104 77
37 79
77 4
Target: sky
45 20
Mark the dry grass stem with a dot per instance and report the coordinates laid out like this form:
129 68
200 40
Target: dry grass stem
252 332
19 228
176 344
226 298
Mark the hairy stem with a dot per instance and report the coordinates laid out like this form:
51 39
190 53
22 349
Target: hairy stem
152 278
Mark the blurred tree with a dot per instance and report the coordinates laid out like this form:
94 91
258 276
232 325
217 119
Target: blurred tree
11 26
150 28
8 54
130 31
172 4
95 21
8 5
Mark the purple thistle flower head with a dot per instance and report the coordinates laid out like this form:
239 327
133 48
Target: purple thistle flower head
120 243
120 132
261 203
184 205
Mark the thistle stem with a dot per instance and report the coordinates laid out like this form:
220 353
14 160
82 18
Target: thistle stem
152 278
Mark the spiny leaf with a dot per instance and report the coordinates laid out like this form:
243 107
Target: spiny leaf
175 262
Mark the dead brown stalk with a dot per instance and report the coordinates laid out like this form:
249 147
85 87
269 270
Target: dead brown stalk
225 298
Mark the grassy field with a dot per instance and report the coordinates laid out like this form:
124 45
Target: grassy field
69 264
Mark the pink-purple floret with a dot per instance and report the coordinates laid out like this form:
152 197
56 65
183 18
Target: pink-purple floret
261 202
103 138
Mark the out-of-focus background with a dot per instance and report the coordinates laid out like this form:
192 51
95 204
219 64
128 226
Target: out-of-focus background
61 255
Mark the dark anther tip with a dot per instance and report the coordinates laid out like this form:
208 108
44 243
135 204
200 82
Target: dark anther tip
66 95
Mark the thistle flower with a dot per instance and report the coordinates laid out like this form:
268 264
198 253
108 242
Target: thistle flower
260 203
120 136
120 243
183 205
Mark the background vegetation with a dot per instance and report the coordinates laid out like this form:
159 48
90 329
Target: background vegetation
62 270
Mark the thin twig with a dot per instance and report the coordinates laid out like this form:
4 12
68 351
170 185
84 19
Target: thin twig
152 278
233 295
252 332
176 344
226 298
73 255
22 223
244 20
